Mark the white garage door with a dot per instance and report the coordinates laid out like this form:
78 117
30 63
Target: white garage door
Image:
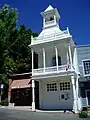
57 96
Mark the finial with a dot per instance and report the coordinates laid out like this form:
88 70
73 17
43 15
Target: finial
67 29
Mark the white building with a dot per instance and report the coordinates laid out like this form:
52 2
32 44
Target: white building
57 71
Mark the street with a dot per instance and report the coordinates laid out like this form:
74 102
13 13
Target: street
9 114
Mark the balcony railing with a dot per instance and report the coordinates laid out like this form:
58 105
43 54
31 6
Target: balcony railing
84 102
49 22
50 37
49 70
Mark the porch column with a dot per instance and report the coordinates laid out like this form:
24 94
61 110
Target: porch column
56 57
74 94
44 64
33 95
70 55
77 87
32 61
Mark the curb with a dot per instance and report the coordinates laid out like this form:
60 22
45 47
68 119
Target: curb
30 110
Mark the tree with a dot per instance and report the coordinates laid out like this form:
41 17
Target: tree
15 55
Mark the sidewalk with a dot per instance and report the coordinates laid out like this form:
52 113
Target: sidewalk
25 108
29 108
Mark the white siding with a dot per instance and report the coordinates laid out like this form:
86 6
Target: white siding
82 54
50 99
40 60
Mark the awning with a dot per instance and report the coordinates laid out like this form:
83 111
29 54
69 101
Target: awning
22 83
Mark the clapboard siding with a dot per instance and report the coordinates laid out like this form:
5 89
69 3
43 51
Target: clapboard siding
83 52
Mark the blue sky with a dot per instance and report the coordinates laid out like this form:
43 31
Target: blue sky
74 13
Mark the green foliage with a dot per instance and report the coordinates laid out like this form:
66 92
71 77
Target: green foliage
15 54
4 103
83 114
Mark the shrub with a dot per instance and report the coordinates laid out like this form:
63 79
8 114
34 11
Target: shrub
83 114
4 103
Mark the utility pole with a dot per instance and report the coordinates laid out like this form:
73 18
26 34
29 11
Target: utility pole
1 87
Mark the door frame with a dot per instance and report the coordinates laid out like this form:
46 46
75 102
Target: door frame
87 97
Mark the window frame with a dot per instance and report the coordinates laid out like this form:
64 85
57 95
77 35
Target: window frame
85 60
51 88
49 19
65 88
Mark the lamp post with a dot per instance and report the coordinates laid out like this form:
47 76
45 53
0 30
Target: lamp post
1 87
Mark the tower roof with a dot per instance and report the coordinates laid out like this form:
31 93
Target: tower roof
49 8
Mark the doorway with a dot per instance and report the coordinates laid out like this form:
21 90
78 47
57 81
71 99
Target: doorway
21 97
88 97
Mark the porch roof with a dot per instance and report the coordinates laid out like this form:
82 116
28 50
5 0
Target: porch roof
21 83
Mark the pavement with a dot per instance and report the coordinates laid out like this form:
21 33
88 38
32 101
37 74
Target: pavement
13 114
29 108
26 113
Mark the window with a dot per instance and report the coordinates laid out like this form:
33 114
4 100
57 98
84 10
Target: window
54 61
52 87
86 65
49 19
64 86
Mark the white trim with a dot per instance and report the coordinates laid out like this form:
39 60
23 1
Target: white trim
52 39
33 95
70 55
87 97
85 59
44 64
77 90
56 57
75 107
68 73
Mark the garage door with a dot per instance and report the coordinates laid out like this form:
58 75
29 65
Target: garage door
57 96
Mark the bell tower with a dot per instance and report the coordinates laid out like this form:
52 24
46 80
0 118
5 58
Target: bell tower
50 17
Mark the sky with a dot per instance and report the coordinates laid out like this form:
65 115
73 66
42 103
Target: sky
74 14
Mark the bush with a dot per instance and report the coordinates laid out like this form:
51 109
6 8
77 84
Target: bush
83 114
4 103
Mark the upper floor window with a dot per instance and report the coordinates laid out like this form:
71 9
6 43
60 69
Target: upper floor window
86 65
54 61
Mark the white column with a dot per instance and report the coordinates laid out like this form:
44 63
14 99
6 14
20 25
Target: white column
32 62
33 95
74 94
77 87
70 55
44 65
56 57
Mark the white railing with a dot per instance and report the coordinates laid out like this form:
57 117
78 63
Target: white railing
40 70
49 22
50 37
53 69
84 102
62 67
